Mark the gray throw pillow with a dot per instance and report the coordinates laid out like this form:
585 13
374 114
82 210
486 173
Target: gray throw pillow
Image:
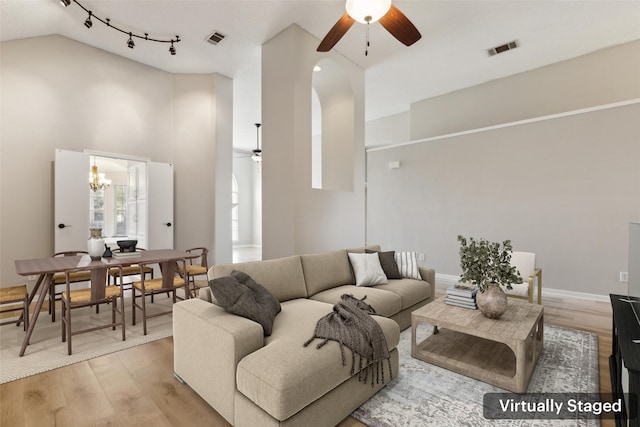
388 263
241 295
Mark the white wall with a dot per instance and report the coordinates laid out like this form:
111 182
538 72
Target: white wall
58 93
247 176
603 77
297 218
565 187
388 130
202 134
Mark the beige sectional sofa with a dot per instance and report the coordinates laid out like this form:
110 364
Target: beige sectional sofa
256 380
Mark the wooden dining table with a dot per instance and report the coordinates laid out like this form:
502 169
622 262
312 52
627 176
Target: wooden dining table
45 268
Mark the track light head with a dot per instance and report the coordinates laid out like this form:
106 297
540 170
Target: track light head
88 23
106 21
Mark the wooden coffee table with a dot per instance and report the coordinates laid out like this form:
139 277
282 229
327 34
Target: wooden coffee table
501 352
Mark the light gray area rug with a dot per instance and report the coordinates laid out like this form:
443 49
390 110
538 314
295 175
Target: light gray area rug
427 395
46 350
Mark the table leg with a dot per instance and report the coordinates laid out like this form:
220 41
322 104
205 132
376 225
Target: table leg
46 280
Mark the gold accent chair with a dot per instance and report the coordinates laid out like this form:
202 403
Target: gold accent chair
525 262
13 295
195 267
98 293
168 283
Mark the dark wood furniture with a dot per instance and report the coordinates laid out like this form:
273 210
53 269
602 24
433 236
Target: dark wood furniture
45 268
168 283
96 294
11 296
625 354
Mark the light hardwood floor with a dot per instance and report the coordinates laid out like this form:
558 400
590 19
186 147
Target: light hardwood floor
136 387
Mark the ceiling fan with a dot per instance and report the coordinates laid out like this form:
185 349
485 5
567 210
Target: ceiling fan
367 12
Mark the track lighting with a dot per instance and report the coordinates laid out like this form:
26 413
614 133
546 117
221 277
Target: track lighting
88 22
130 43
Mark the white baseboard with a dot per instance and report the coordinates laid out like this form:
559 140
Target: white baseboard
443 281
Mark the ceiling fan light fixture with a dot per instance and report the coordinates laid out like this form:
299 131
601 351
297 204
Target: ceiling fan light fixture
367 11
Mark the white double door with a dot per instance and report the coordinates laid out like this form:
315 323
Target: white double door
152 202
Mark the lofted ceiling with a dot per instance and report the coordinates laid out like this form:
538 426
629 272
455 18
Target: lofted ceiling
451 54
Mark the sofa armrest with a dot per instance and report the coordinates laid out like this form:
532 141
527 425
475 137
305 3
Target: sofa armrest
208 343
428 275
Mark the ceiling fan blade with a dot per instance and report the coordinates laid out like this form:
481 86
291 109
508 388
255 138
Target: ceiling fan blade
335 33
400 27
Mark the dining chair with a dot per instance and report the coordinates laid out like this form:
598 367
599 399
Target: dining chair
168 283
98 293
195 267
131 270
13 295
59 279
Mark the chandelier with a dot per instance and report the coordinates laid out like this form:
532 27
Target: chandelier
97 181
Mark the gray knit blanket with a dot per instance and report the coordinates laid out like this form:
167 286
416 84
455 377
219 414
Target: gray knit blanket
351 325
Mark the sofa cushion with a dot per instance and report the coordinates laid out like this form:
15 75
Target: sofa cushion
388 263
240 294
408 265
326 270
283 277
284 377
385 303
367 269
410 291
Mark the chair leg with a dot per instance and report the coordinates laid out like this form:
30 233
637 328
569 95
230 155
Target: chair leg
133 305
25 314
63 323
144 313
122 316
113 313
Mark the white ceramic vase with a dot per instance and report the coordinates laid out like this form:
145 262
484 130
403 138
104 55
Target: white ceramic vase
95 244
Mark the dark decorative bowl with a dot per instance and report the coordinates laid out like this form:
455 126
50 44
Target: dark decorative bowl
127 245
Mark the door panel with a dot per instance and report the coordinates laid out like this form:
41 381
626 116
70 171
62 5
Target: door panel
160 205
71 194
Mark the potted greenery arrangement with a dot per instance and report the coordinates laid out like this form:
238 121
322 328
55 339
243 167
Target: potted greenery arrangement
487 265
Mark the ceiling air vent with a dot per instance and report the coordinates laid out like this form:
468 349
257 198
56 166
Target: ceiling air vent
503 48
216 37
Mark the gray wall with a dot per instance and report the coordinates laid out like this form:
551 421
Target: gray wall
564 188
58 93
549 158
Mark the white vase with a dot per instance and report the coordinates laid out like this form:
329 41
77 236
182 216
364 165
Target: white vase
95 244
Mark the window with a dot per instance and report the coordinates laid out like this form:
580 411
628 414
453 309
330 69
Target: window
120 210
234 210
96 209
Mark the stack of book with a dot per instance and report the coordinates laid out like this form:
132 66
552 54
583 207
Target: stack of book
462 295
121 255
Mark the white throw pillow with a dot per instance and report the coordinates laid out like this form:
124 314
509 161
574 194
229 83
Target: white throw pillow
408 265
367 269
